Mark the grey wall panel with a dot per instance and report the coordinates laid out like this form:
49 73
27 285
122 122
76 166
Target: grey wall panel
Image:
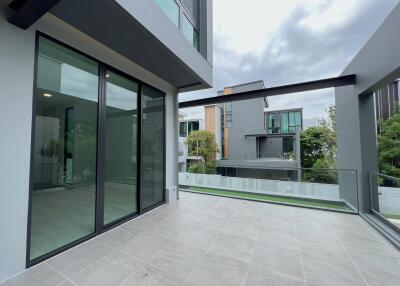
247 118
377 63
16 83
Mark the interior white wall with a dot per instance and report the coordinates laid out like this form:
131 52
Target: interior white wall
16 81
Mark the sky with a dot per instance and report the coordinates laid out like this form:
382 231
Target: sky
288 41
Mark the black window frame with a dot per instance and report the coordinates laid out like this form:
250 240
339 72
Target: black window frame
100 227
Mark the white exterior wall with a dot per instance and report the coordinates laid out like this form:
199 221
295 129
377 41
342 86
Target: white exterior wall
16 81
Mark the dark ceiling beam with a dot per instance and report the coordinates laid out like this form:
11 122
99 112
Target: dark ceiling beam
17 4
273 91
29 11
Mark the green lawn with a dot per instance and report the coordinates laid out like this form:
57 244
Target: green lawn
391 216
268 198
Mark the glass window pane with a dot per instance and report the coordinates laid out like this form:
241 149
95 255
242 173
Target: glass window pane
190 33
152 147
120 190
284 122
64 154
183 129
193 126
193 8
171 9
298 120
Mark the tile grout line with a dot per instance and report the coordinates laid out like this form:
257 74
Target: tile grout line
253 252
62 275
348 254
299 250
201 258
205 252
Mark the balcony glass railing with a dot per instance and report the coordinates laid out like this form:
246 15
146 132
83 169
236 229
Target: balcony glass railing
316 188
263 156
385 197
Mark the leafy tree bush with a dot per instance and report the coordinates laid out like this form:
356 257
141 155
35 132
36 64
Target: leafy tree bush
202 144
317 143
318 150
389 146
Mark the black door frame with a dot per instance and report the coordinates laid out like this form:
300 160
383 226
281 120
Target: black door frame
99 226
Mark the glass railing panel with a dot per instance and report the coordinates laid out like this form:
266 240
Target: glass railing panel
317 188
385 197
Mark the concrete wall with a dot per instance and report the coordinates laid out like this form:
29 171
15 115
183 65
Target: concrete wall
16 81
244 123
375 65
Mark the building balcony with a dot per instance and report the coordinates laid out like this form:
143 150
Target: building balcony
208 240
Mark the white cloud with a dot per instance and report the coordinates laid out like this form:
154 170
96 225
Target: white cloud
289 41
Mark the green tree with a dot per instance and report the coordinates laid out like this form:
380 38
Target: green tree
330 122
317 143
389 146
318 150
202 144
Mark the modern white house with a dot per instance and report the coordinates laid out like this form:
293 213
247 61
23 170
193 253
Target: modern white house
89 115
187 124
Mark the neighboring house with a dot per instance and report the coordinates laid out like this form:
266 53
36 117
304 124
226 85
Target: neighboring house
89 111
254 135
214 123
186 126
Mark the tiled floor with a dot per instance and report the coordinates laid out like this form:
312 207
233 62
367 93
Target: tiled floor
205 241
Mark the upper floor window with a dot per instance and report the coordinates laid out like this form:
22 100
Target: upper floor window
171 9
182 129
190 32
192 6
185 128
283 122
193 126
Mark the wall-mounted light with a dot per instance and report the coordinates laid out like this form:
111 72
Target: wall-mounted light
47 95
107 75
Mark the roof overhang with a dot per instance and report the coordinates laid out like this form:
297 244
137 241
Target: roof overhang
138 30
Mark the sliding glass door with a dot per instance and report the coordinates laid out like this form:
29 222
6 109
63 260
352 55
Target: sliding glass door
63 174
152 172
120 188
93 127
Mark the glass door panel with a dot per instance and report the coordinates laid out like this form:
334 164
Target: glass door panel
120 186
64 151
152 172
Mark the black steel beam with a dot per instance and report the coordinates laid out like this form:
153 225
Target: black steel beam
29 11
17 4
273 91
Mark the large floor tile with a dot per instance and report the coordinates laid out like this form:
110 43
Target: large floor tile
279 260
234 247
269 278
144 246
245 230
79 257
218 271
197 236
41 275
329 272
177 258
111 270
150 276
